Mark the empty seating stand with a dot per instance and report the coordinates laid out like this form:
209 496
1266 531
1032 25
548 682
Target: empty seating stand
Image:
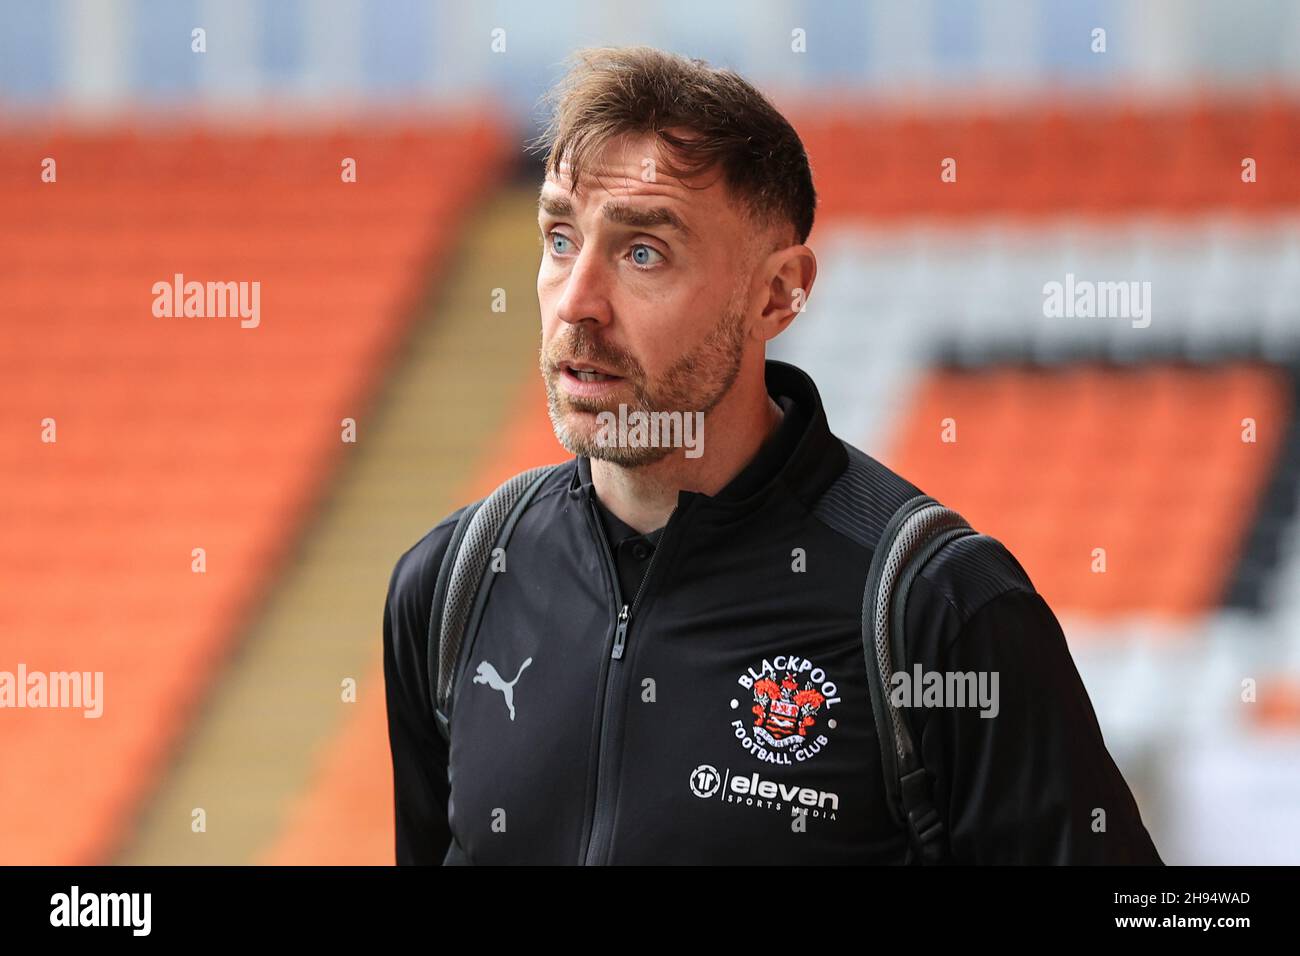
182 433
1054 159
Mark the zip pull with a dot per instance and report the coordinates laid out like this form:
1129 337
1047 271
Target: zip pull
620 635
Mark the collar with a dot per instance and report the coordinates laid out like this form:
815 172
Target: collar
619 530
801 458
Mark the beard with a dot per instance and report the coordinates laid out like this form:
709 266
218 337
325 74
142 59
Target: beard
697 381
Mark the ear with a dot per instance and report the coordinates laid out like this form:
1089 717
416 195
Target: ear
788 276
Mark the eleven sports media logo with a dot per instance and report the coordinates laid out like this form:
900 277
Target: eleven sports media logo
789 694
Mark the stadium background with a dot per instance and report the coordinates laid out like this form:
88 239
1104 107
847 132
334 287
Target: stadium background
223 689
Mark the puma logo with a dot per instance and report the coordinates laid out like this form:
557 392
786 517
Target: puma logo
487 674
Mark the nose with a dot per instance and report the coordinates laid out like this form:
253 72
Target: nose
586 290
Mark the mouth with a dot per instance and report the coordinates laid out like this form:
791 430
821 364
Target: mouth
586 381
586 372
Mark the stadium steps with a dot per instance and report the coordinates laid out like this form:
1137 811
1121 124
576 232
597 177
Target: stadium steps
288 771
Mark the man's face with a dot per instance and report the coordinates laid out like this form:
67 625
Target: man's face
643 288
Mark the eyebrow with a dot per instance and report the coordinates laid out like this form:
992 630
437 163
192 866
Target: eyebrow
621 213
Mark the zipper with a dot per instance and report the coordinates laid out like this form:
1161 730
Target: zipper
602 810
620 633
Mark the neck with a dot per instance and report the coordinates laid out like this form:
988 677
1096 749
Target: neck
645 496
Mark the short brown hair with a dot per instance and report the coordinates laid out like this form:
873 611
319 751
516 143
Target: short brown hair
610 91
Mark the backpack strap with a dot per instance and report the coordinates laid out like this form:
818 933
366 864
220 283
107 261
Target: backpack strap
918 529
432 648
463 581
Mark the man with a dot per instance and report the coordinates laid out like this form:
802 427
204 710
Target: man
671 669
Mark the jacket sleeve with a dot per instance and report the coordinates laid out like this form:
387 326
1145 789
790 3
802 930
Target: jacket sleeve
1033 784
420 784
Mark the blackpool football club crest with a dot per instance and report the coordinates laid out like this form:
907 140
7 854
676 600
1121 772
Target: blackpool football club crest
789 702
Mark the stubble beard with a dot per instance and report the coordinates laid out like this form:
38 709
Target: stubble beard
697 381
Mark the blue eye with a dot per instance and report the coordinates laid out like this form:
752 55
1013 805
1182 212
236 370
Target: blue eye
642 247
557 237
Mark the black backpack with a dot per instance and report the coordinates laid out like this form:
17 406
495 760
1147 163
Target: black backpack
917 530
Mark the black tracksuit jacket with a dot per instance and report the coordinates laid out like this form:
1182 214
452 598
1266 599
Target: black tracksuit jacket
727 718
